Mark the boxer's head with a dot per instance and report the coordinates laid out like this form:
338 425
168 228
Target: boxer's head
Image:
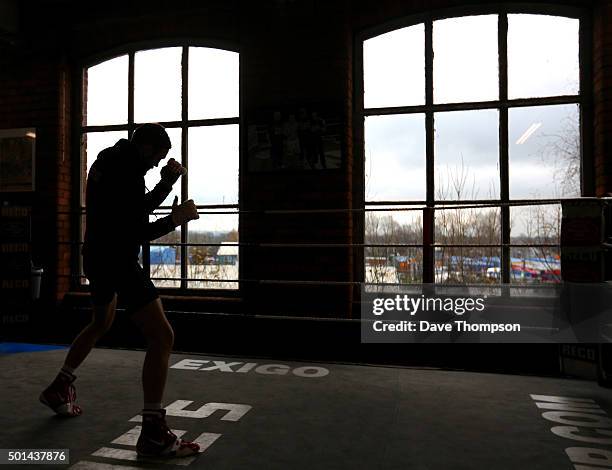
152 142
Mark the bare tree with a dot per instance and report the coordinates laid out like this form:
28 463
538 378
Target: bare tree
481 226
542 226
383 264
562 151
469 226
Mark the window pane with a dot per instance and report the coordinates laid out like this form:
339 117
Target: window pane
153 176
395 158
166 259
465 64
107 93
216 263
394 68
213 164
393 265
93 144
393 227
157 85
544 153
213 83
539 224
459 265
468 226
542 56
466 155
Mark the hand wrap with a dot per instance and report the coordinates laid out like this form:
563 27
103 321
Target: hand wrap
183 213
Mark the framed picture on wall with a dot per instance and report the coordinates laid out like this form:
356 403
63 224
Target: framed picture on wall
298 138
17 151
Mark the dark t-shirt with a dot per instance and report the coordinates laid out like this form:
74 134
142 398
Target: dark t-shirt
117 218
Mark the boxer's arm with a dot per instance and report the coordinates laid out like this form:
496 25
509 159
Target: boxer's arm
159 228
154 198
170 174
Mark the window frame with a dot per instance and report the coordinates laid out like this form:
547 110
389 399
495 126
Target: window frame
502 104
78 129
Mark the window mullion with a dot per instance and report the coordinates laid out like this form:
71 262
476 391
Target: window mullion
503 146
131 95
184 158
428 212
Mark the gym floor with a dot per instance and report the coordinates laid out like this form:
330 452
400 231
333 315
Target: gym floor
251 413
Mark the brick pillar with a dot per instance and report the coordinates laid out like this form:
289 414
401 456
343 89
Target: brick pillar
602 96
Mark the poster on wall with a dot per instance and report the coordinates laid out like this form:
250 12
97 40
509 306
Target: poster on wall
17 151
297 138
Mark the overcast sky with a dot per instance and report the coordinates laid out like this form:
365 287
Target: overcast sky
542 61
213 93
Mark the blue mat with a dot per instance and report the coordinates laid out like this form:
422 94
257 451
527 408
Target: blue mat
13 348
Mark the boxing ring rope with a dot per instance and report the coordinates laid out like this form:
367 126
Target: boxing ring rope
422 205
389 206
350 245
335 283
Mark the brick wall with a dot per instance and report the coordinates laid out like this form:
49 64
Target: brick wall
29 97
298 57
64 181
293 53
602 96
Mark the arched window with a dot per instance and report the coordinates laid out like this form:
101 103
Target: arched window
472 129
194 93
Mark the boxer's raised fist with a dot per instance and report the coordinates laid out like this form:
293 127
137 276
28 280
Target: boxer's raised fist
172 171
